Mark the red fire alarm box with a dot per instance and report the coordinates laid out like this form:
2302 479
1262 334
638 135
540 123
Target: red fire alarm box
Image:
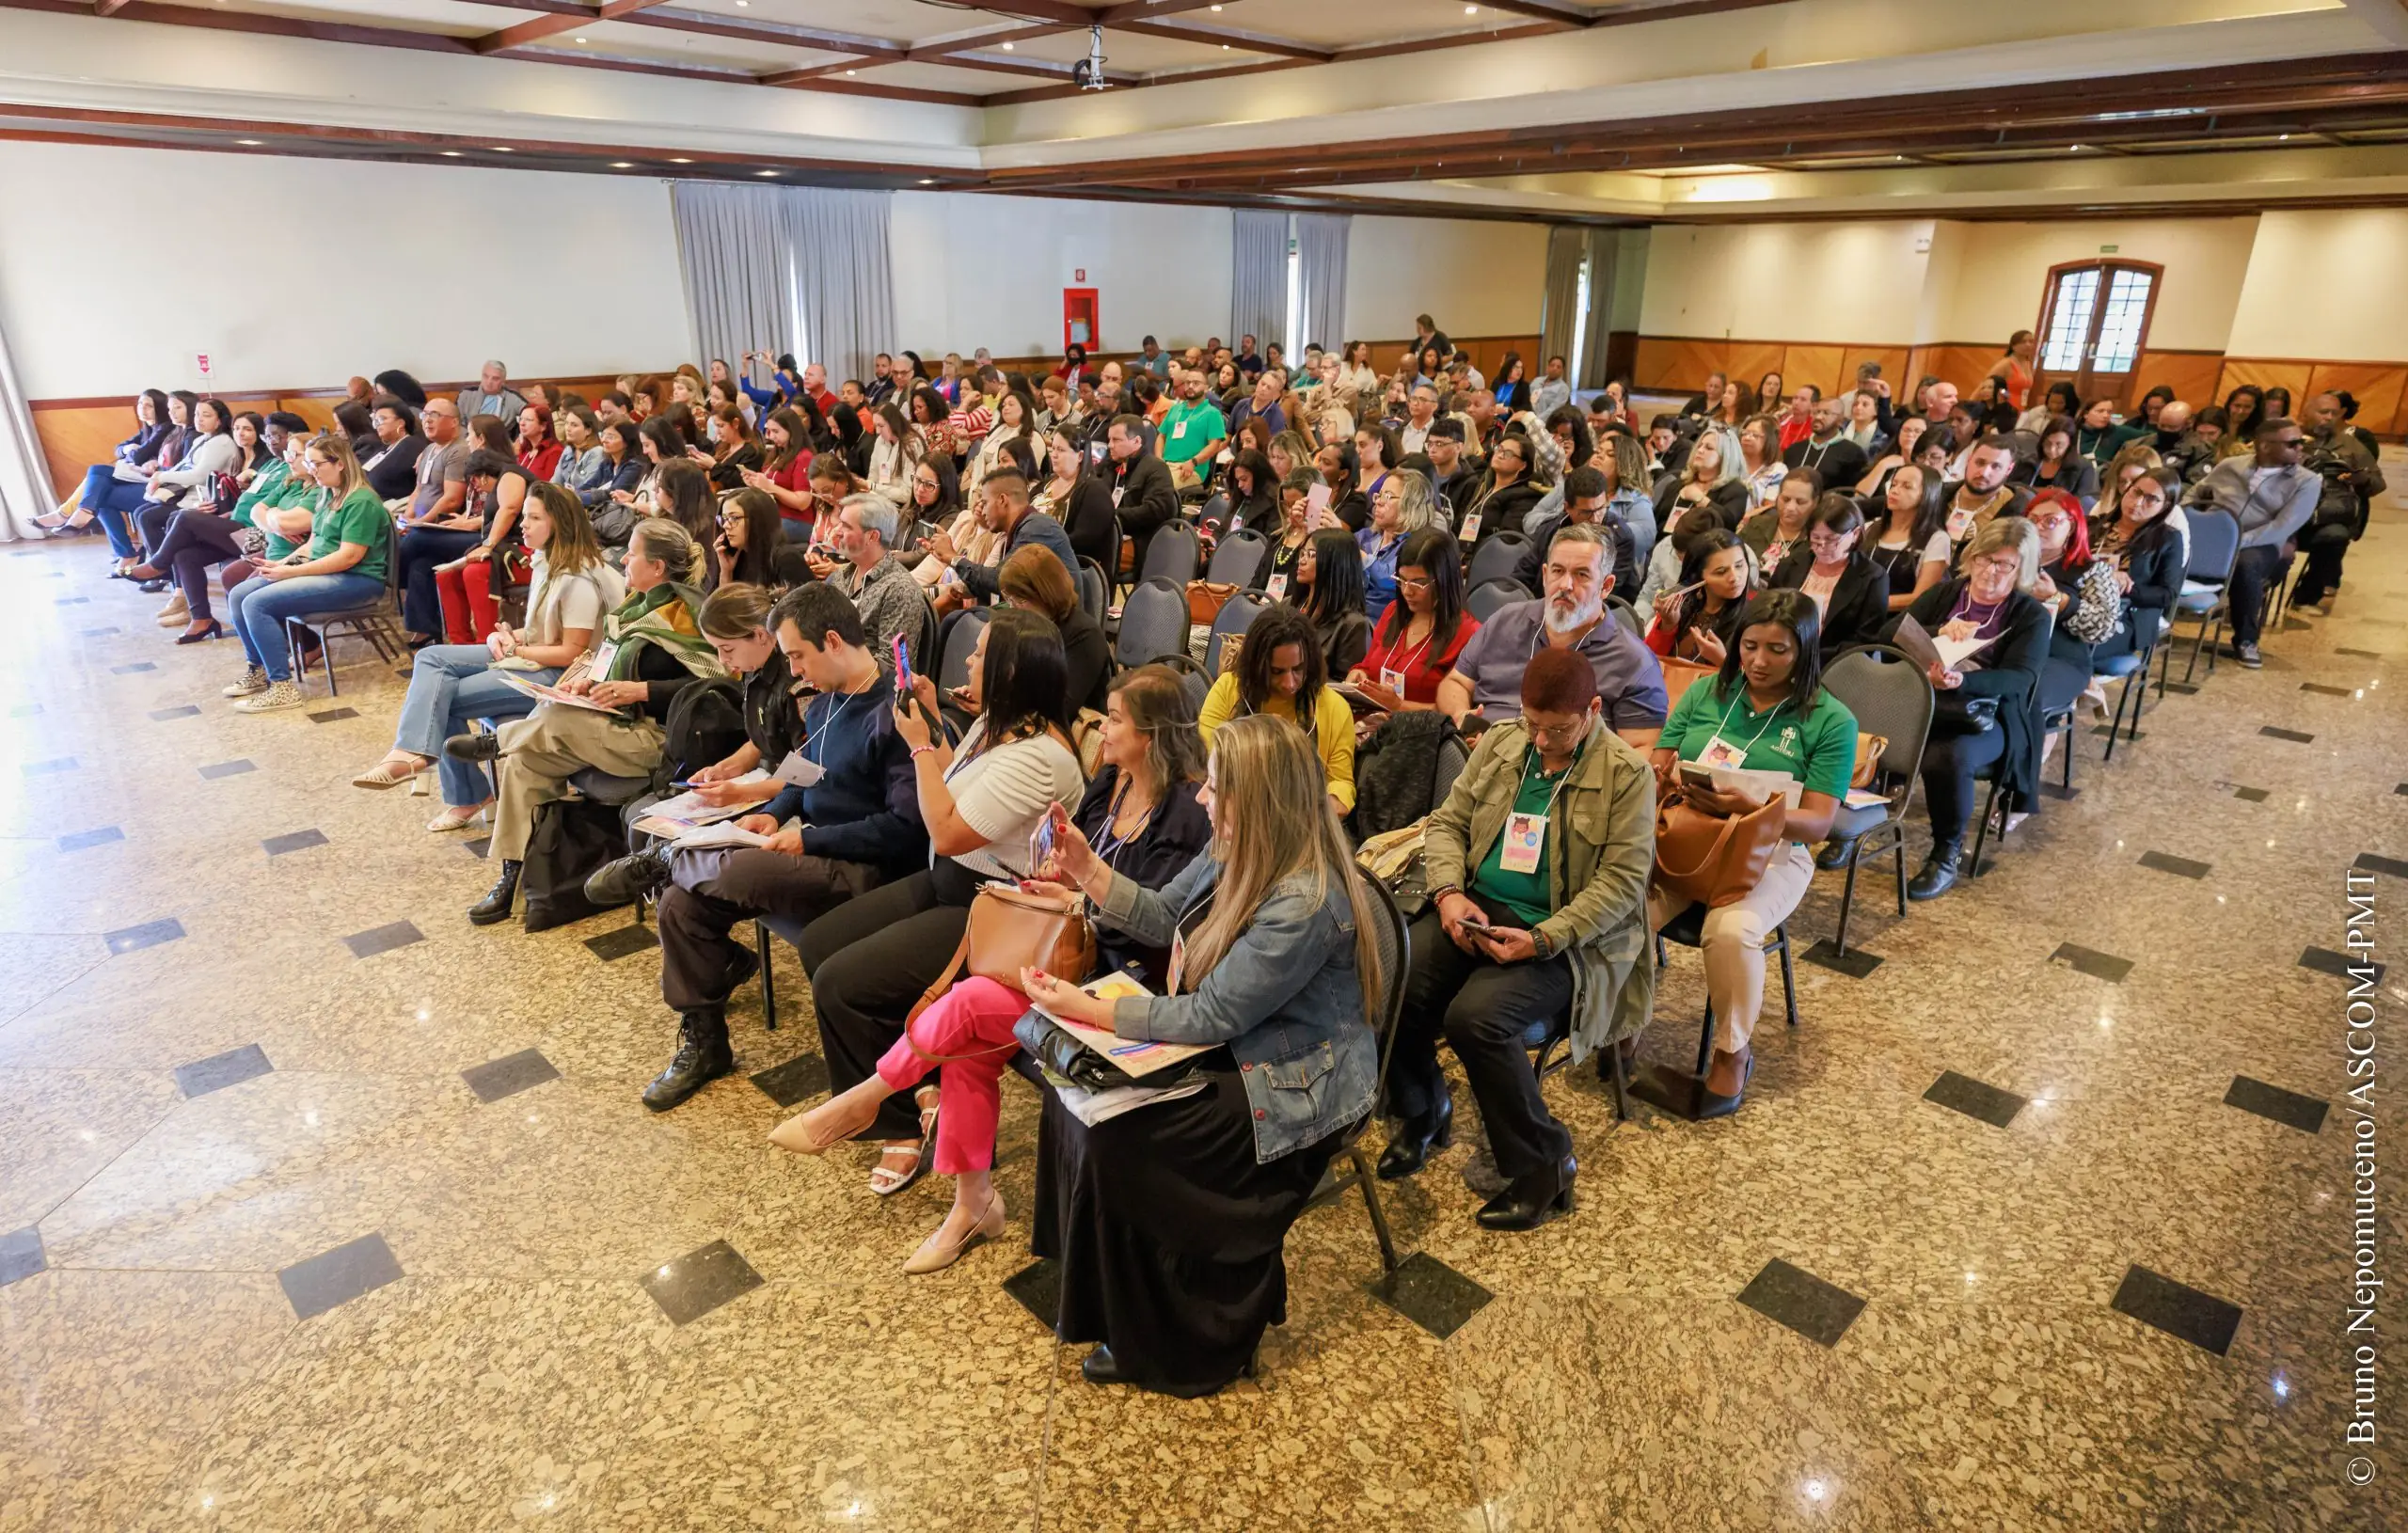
1080 326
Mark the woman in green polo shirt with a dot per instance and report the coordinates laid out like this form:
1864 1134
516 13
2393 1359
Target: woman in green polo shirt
1766 711
343 569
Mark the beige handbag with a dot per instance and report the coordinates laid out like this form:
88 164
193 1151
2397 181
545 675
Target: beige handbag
1011 929
1713 860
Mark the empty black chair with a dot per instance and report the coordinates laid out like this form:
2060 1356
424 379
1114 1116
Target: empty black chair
1498 558
1240 559
1153 622
1486 598
1172 554
1890 697
1237 614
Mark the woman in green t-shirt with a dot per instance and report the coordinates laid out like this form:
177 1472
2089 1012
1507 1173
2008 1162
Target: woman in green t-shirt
341 569
1766 711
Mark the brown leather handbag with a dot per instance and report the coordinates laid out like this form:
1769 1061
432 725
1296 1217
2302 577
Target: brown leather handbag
1205 598
1011 929
1710 859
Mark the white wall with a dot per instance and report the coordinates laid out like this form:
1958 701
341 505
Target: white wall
2001 274
1475 277
367 276
2325 285
973 270
1834 282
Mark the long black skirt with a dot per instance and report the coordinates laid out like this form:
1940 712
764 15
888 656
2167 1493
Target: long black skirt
1170 1233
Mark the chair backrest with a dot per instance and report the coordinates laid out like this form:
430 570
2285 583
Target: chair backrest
1241 559
1237 614
1396 969
1095 589
1890 696
960 638
1454 755
1153 622
1497 558
1215 513
1485 599
1172 554
1191 678
2216 542
1627 616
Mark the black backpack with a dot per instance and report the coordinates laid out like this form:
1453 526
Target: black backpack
706 725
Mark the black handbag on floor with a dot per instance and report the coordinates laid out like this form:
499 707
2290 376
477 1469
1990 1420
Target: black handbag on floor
1953 713
570 840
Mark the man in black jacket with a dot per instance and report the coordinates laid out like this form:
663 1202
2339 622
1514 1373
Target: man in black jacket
1840 462
1131 482
1703 403
1584 505
1453 472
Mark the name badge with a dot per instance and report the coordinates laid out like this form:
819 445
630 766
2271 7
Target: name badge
603 655
1179 431
1277 588
1117 492
1525 842
1959 523
1392 680
1721 753
1470 528
799 770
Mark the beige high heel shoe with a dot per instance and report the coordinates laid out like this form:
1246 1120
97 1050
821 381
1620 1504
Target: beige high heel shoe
935 1255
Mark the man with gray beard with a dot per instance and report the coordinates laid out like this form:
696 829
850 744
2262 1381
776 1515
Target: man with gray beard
1486 682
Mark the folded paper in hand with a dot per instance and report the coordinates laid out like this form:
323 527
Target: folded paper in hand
1140 1057
688 808
551 694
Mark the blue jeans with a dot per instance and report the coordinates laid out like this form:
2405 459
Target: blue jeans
257 609
450 685
97 479
419 549
119 502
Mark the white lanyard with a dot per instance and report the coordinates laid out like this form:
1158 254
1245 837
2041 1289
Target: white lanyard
827 724
1770 715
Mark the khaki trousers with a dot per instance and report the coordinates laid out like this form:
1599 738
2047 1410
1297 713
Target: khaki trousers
1735 940
539 753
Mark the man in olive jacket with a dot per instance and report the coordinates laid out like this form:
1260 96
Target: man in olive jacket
1537 864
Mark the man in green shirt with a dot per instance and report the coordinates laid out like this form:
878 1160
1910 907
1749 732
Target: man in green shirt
1193 432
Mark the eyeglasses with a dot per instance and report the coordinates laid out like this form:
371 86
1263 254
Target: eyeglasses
1554 734
1409 582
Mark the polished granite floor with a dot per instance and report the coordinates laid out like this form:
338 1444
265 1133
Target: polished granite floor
320 1210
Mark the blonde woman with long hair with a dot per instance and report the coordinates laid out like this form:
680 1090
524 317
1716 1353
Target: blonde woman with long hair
343 568
1169 1220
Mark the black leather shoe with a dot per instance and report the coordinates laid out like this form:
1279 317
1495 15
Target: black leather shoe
1711 1106
476 745
1834 855
149 588
638 875
1531 1200
1409 1147
494 907
1938 875
703 1056
1100 1367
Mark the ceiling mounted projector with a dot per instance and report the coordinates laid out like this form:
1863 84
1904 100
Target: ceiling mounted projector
1088 72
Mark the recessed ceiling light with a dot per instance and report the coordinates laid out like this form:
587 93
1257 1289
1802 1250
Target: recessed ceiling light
581 39
451 153
928 181
504 149
848 74
765 172
623 164
675 161
2286 139
2074 150
1008 47
249 143
1471 11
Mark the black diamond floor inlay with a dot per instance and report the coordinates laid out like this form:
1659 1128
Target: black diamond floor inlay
332 715
2305 1114
2187 688
2181 867
184 710
2101 732
72 601
227 768
2097 965
21 1255
2177 1309
700 1281
2360 654
367 944
339 1276
1855 963
1039 1289
2251 796
795 1081
2295 736
2321 690
296 841
218 1072
82 839
620 941
509 1075
2325 961
49 768
479 846
2059 792
1819 1311
1975 1098
133 670
2369 863
1431 1294
149 934
98 633
1669 1090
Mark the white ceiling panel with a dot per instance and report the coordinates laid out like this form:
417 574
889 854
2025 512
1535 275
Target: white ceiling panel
893 20
1353 24
452 18
949 77
621 39
1133 52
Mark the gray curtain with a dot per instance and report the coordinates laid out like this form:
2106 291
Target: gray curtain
24 474
846 275
1604 243
1259 277
1561 316
736 248
1321 279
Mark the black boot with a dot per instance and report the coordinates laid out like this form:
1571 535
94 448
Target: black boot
703 1056
494 907
1413 1141
1531 1200
1938 874
1833 855
477 746
636 877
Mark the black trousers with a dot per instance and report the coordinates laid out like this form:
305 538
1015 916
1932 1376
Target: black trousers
2256 568
2325 546
868 961
1484 1007
1950 764
194 540
711 892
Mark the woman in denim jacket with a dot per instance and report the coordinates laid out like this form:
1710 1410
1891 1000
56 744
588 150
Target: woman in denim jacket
1169 1219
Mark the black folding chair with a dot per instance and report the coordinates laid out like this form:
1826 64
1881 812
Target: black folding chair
1153 622
1890 697
1488 596
1396 968
1497 558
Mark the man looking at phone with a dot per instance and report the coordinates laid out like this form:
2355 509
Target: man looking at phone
856 826
1004 508
891 603
1538 864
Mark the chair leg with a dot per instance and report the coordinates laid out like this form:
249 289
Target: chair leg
769 977
1982 828
1705 1042
1788 976
1622 1083
2070 738
1364 1178
1899 850
1847 896
2215 645
2122 699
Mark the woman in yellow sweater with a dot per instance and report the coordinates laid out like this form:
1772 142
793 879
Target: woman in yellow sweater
1279 671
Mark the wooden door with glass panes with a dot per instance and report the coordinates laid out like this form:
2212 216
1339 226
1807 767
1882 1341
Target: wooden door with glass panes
2094 321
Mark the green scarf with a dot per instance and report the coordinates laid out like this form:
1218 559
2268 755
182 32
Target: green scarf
663 616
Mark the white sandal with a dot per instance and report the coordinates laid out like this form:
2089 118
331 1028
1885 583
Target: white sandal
452 819
885 1181
390 773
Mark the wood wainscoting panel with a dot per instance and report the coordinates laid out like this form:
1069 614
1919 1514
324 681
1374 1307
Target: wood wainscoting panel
2192 375
1825 367
1893 361
1750 360
1676 364
2376 386
2264 373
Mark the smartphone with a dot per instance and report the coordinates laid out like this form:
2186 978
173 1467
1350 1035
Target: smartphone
1040 841
1475 922
902 667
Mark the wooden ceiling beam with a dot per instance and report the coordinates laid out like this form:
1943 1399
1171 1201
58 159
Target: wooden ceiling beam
1545 10
937 53
1229 38
556 23
710 23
